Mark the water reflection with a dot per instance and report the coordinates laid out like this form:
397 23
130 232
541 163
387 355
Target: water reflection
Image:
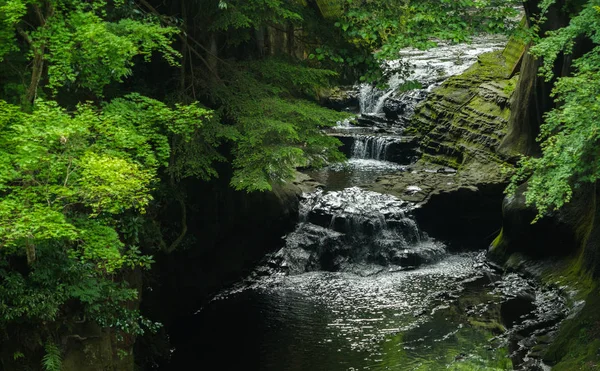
354 172
405 320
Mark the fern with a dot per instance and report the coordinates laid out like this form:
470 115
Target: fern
52 360
272 105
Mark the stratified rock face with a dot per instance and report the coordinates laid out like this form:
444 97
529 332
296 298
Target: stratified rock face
462 122
460 125
355 226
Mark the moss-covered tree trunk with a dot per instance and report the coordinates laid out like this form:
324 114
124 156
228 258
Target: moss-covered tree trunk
532 95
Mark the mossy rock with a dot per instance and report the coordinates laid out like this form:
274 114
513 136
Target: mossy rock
463 121
494 327
577 346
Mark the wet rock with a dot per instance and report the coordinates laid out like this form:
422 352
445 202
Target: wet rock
385 147
557 234
354 226
515 309
456 207
376 120
312 247
393 108
464 120
344 98
356 210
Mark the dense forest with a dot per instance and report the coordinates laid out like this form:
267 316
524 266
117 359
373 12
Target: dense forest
108 107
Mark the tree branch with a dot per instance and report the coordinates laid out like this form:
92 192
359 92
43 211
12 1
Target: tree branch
184 37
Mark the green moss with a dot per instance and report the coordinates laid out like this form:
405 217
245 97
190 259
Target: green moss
489 66
489 108
571 273
510 86
513 51
494 327
498 241
577 346
442 160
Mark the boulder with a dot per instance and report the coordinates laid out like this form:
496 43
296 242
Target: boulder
393 108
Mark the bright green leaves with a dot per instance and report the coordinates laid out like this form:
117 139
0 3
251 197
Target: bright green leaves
24 224
101 245
113 185
85 51
570 135
11 12
105 161
184 139
66 181
81 47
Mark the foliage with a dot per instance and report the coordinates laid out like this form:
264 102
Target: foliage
244 15
82 43
52 360
66 180
385 27
76 184
366 32
277 131
570 134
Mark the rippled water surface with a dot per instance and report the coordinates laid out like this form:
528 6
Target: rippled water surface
404 320
354 172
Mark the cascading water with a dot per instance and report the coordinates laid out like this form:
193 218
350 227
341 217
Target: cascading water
378 131
426 69
372 99
343 229
372 147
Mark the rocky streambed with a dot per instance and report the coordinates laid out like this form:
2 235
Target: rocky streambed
386 267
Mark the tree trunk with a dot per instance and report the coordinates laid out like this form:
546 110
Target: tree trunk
532 95
213 54
36 75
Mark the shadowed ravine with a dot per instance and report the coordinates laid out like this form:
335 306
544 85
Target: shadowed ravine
359 286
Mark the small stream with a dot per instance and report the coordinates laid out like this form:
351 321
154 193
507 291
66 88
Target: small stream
358 286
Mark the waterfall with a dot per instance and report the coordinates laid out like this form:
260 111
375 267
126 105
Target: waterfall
340 229
371 147
372 99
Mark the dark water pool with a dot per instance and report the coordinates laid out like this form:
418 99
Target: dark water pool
408 320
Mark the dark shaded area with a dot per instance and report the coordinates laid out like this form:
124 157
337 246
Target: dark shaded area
228 233
559 234
591 250
466 218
